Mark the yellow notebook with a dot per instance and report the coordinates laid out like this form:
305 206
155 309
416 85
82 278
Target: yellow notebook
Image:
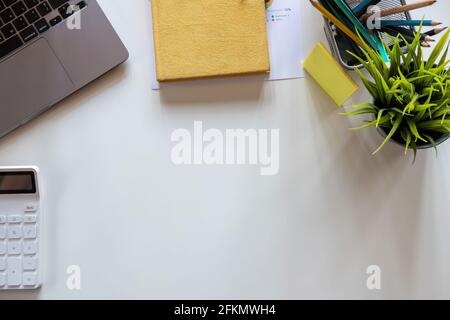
330 75
208 38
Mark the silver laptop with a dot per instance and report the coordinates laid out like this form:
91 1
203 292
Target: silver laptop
48 50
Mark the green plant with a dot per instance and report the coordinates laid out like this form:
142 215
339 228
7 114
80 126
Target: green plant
411 96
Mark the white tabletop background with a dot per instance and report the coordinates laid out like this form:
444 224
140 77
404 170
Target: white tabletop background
140 227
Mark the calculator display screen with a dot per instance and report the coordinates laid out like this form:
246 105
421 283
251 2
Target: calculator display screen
17 182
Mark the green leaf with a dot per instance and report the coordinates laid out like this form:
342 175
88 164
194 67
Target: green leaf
370 86
355 106
433 143
384 119
414 147
438 48
431 123
396 125
380 114
408 140
444 61
411 105
412 126
360 111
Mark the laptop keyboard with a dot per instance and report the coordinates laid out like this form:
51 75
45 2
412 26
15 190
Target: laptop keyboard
23 20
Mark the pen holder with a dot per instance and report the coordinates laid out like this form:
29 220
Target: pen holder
339 44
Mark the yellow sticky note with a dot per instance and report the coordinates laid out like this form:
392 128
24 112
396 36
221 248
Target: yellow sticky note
329 74
209 38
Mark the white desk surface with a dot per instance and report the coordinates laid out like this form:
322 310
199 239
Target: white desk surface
141 227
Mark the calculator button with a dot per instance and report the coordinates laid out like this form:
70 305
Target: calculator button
2 279
2 247
29 279
2 264
2 232
14 219
29 263
30 218
14 232
29 232
29 247
2 219
14 247
14 271
30 208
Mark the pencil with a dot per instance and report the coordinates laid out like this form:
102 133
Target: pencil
410 32
435 31
409 23
401 9
362 7
338 23
408 37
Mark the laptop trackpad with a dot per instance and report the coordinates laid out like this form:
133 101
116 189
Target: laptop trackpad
30 81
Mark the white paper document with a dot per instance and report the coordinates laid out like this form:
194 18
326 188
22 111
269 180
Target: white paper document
285 30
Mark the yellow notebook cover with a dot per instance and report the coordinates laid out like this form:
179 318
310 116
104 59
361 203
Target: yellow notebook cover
208 38
321 65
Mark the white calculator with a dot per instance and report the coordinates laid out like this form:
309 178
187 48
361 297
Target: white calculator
20 221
